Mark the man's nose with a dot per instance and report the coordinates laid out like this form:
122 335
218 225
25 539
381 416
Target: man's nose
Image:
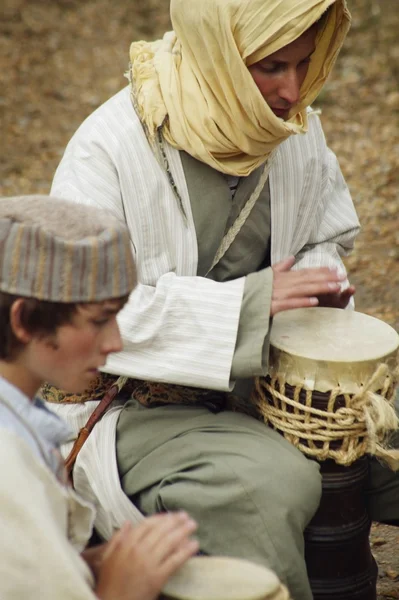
290 88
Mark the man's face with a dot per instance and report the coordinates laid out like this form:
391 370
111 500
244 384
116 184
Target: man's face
280 75
70 358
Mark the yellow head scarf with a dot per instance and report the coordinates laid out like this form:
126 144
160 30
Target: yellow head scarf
196 84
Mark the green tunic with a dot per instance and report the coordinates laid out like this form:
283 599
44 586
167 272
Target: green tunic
251 492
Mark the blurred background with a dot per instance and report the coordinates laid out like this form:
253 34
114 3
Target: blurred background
60 59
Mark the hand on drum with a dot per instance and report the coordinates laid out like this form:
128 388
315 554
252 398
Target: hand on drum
338 300
319 286
138 560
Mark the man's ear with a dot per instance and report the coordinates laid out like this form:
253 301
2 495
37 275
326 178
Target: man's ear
16 322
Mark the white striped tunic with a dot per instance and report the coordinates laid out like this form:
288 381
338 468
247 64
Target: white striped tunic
178 327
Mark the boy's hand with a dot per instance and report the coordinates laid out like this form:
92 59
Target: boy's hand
306 287
139 560
93 557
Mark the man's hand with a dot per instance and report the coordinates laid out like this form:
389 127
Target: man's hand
307 287
339 300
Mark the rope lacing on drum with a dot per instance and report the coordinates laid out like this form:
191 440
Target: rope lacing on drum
343 434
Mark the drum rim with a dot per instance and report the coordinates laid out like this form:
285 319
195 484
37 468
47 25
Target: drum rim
228 565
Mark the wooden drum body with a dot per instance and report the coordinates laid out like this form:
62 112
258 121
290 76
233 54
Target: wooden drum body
330 392
338 556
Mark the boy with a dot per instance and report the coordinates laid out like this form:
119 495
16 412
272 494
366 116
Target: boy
65 272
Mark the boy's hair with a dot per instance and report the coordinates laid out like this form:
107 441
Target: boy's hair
39 317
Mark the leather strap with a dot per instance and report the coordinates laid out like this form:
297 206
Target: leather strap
94 418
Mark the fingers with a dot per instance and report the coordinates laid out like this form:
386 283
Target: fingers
177 558
349 292
284 265
306 282
306 287
117 539
155 530
173 547
146 554
339 300
172 536
291 303
313 275
310 273
158 535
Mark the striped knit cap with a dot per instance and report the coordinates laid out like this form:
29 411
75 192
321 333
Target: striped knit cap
55 250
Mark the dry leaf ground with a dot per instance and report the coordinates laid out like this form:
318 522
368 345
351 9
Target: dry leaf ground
60 59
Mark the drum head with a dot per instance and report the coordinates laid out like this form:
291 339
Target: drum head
221 578
333 335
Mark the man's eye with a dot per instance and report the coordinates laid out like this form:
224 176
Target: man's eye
270 69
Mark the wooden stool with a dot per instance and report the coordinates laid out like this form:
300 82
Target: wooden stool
330 392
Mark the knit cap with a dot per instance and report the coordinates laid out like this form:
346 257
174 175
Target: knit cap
57 250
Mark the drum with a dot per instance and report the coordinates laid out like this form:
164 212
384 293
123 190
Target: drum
330 392
223 578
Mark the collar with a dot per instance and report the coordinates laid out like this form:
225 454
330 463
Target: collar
35 415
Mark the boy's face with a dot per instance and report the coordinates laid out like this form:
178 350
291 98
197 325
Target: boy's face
70 358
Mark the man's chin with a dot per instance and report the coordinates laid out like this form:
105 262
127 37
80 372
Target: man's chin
281 113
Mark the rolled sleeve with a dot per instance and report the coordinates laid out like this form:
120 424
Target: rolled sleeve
252 347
